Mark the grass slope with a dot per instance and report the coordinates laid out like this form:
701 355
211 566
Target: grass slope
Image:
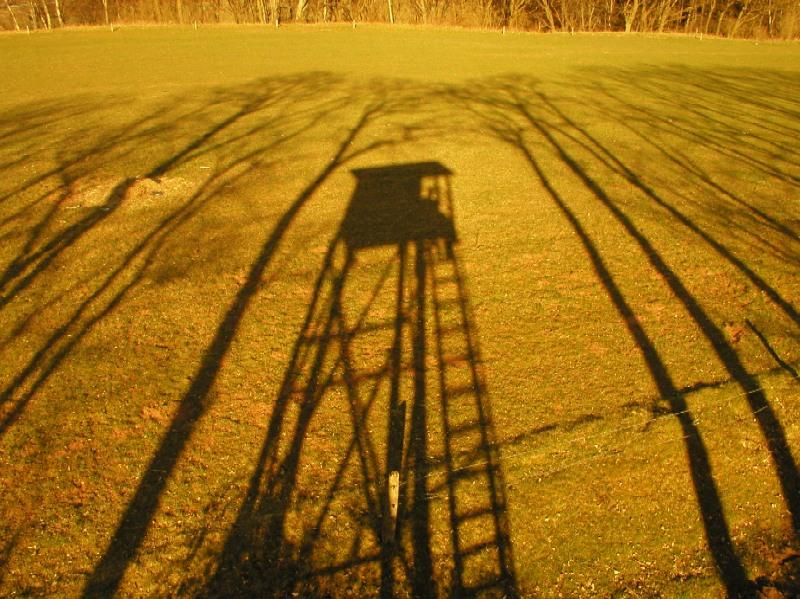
591 391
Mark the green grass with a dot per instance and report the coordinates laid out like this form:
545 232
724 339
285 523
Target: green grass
195 382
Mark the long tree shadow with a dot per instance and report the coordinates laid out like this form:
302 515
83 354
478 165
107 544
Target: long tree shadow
31 130
613 162
386 373
754 126
140 510
765 416
75 159
111 288
45 242
388 344
516 112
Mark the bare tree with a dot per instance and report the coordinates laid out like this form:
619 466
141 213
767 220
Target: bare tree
734 18
742 17
610 8
630 11
515 12
60 18
13 16
548 13
46 11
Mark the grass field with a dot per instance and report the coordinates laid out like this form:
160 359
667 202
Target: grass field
551 280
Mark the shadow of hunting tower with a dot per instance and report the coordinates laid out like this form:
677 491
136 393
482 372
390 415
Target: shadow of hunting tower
385 376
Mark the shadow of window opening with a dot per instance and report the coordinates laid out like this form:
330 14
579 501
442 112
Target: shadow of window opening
442 444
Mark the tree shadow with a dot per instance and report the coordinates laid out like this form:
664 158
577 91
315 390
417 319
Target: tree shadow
771 350
6 550
387 366
386 373
45 241
768 422
514 110
136 519
264 102
742 115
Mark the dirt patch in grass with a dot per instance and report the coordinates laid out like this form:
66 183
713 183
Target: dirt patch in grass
144 192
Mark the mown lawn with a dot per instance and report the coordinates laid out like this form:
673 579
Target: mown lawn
551 280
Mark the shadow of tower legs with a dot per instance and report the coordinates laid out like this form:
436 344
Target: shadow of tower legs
387 315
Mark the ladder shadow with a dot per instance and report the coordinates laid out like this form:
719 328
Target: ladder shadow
386 376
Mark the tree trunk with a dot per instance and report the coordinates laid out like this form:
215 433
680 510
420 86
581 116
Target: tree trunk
770 18
710 14
567 22
179 10
105 10
548 13
610 9
58 13
740 18
391 14
48 20
721 19
645 15
34 15
13 16
665 15
301 8
422 9
629 12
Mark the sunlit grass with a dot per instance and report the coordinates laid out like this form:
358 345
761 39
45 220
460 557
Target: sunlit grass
627 222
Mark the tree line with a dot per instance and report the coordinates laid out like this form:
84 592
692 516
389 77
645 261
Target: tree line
730 18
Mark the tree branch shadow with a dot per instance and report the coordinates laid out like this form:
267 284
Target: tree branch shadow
142 507
514 111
